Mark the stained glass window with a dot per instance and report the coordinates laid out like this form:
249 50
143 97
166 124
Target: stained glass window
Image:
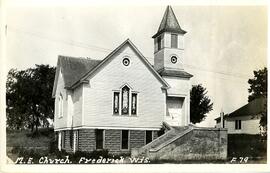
134 104
125 100
116 103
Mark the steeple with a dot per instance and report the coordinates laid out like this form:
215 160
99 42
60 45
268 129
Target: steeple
169 23
169 43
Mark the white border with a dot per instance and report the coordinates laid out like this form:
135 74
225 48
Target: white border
213 168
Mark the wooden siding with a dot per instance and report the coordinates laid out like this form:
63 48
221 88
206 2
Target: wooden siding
248 125
60 122
98 95
77 103
180 87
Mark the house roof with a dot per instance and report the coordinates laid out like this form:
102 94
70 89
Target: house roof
174 73
169 23
73 68
254 107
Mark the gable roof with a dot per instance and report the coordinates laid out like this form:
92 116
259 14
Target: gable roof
102 63
77 70
169 23
73 68
174 73
254 107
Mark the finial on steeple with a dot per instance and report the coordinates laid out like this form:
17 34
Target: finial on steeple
169 23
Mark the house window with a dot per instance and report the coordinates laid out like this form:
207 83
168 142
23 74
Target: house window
116 103
125 139
125 100
60 106
238 124
174 41
99 139
148 137
134 104
159 43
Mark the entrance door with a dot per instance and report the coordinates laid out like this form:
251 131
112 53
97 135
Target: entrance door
175 110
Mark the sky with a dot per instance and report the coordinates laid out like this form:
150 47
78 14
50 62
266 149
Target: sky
223 44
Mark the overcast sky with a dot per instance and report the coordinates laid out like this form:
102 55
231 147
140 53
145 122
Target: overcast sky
223 44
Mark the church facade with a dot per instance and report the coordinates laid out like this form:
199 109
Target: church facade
123 102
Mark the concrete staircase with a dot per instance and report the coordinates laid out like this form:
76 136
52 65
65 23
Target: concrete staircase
172 134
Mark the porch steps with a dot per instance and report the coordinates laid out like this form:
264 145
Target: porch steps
173 133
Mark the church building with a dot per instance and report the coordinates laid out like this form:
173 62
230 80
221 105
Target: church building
122 101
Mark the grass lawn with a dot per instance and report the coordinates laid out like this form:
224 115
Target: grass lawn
243 145
24 138
252 146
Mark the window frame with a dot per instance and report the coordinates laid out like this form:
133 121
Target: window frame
174 44
120 104
63 139
238 124
103 138
60 106
128 140
128 100
152 136
118 107
136 103
159 40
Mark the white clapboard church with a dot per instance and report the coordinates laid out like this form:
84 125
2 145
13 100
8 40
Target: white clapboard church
122 101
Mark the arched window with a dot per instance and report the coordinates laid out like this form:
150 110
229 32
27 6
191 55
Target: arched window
125 100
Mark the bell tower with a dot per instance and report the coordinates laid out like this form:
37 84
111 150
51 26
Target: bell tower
169 43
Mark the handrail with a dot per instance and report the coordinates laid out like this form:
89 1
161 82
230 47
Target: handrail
172 139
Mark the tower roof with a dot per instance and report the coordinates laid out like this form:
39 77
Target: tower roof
169 23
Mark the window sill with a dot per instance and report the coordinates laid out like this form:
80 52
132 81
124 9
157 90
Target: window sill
117 115
60 117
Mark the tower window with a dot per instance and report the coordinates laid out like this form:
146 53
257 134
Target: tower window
173 59
174 41
159 43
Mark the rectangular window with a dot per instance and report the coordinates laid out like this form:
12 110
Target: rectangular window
174 41
71 139
125 139
148 137
99 139
60 106
238 124
134 104
63 139
159 43
116 103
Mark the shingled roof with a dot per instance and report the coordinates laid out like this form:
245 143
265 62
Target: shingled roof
169 23
254 107
74 68
174 73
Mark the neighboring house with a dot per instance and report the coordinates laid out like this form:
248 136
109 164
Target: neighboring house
245 120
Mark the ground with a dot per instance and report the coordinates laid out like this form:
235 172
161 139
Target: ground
241 148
